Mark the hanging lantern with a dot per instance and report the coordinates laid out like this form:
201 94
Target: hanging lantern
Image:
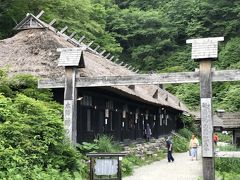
107 113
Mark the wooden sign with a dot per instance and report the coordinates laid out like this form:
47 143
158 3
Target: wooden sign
204 48
106 167
69 56
68 117
207 127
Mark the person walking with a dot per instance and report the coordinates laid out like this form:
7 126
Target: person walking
193 145
169 149
148 132
215 139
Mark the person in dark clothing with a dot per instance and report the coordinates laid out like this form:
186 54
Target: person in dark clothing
169 149
148 132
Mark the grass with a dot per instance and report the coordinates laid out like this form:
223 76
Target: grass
228 168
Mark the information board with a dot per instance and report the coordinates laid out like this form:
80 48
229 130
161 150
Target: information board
106 167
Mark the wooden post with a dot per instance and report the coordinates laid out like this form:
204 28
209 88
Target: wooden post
119 174
205 50
206 120
70 59
70 104
91 168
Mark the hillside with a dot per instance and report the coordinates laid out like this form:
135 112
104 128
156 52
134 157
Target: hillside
149 35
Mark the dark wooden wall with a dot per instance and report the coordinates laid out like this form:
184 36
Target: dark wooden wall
118 124
93 120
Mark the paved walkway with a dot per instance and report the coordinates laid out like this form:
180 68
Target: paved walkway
181 169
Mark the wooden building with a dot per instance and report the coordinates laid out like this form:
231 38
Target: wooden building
230 121
120 111
224 121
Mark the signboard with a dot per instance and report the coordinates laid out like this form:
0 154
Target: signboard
69 56
207 127
204 48
68 115
106 167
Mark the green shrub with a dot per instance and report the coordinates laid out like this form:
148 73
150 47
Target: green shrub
228 175
228 164
186 133
86 147
32 138
228 168
180 144
127 167
225 137
106 144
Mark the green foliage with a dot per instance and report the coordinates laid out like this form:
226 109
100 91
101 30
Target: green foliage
27 85
180 144
228 168
189 126
228 164
127 167
103 143
228 176
227 138
188 93
186 133
228 56
32 136
231 102
86 147
106 144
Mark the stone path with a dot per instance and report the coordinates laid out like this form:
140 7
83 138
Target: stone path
181 169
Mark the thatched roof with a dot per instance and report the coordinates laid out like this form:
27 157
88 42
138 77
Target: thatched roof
34 51
230 120
226 120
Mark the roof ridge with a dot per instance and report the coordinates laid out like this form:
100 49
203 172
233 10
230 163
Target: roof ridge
71 39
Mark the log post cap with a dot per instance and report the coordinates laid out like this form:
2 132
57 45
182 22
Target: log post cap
205 48
70 56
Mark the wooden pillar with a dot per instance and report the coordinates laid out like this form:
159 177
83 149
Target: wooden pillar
70 104
206 120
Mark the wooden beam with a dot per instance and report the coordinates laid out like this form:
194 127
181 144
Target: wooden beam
231 154
225 75
107 55
97 48
129 67
116 60
111 58
51 83
81 39
89 44
52 22
72 35
63 29
101 53
164 78
40 14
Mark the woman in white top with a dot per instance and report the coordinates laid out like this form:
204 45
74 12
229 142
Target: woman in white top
193 145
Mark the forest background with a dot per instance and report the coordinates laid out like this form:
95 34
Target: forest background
149 35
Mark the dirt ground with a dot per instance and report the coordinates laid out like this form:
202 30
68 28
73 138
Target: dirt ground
183 168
